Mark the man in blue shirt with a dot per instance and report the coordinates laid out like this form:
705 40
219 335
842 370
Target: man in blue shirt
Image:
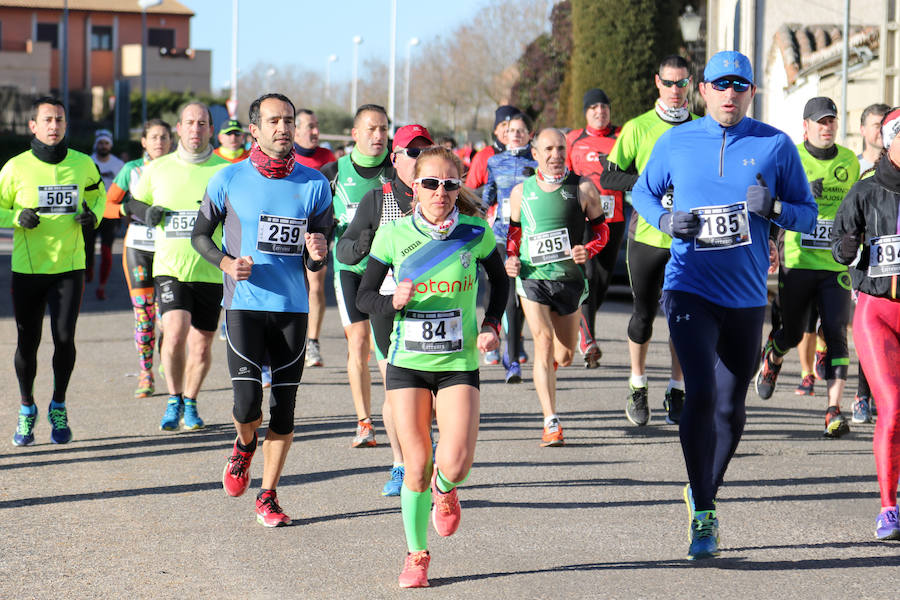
732 175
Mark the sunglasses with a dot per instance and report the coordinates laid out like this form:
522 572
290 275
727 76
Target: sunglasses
724 83
433 183
680 83
410 152
234 133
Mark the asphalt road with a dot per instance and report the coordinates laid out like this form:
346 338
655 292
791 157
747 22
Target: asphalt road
128 511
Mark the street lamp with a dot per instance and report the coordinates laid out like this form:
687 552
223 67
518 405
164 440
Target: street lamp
392 76
232 103
144 4
413 42
331 59
357 40
269 73
690 24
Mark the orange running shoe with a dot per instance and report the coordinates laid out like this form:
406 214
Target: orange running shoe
145 387
365 436
415 570
553 435
445 513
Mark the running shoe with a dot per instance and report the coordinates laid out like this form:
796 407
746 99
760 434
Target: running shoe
24 435
835 423
174 412
873 410
513 370
492 357
190 419
673 405
415 570
59 423
820 364
268 513
313 354
886 525
393 485
553 435
807 386
266 376
145 387
636 408
768 374
523 356
445 512
236 476
704 535
592 356
861 413
365 436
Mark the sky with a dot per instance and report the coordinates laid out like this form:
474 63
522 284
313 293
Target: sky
306 33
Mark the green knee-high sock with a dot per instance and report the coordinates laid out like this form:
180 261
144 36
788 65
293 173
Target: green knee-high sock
415 508
444 485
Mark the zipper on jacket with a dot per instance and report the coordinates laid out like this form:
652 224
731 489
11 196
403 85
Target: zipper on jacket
722 154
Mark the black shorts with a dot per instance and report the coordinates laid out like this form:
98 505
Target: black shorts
346 286
398 378
202 300
563 297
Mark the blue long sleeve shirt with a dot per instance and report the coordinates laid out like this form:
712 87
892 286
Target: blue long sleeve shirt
712 166
505 171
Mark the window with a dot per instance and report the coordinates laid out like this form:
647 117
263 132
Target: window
161 38
101 37
48 32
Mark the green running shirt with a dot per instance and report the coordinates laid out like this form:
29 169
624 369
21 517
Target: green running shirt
349 188
436 331
56 192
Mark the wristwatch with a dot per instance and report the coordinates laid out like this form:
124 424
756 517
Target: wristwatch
776 208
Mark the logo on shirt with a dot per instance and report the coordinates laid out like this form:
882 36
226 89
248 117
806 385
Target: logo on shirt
679 318
592 157
465 259
410 248
841 174
349 182
436 287
749 161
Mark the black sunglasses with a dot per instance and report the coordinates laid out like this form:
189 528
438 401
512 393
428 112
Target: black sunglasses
433 183
680 83
724 83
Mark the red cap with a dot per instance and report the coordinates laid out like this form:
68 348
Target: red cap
408 133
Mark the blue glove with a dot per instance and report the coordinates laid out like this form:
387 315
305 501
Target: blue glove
680 224
759 199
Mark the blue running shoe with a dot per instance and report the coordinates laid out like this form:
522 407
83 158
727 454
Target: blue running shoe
887 526
704 535
174 411
24 435
59 424
191 420
266 376
392 487
492 357
514 373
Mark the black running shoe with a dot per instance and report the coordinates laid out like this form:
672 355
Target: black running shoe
768 374
673 403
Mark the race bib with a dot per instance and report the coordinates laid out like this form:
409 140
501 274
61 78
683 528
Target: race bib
438 332
722 227
281 235
180 223
505 209
609 206
549 246
884 256
57 199
350 212
140 237
820 238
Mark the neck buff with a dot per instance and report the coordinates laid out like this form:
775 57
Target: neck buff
820 153
598 132
672 115
365 160
887 174
50 154
305 152
272 168
442 230
190 157
230 154
519 150
548 179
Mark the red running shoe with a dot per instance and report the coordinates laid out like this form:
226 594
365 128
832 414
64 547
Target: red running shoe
445 513
415 570
268 513
820 365
236 476
807 386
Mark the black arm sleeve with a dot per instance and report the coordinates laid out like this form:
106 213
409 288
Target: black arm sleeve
322 222
496 272
615 179
366 217
201 240
136 208
368 298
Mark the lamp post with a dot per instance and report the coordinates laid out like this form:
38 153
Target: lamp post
269 73
331 59
144 4
357 40
392 77
412 42
233 101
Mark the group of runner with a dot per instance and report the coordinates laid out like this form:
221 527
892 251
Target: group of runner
720 202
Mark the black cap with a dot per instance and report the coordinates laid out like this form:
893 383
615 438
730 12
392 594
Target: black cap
231 125
594 96
819 107
503 113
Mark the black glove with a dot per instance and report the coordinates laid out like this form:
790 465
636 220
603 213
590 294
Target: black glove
759 199
816 187
849 246
86 218
154 215
364 243
28 218
680 224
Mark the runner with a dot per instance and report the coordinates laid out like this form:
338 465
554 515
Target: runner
379 207
231 142
715 283
434 347
366 168
477 175
648 248
809 275
189 290
275 214
547 213
137 259
48 195
586 152
869 216
109 166
505 171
